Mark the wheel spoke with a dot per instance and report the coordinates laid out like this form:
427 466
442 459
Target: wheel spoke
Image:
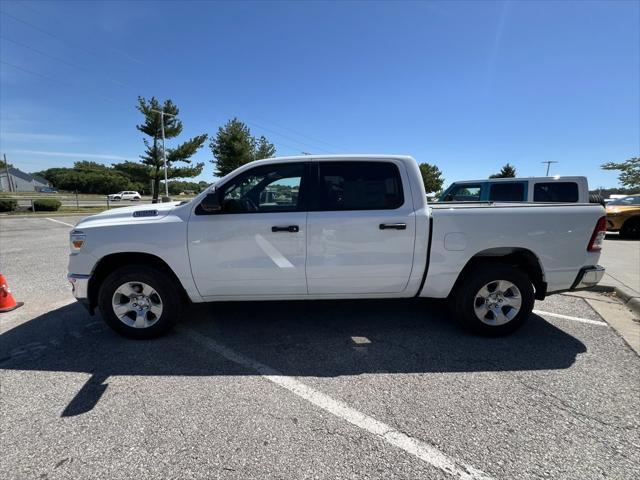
498 317
514 302
122 309
147 291
156 310
141 319
126 290
481 310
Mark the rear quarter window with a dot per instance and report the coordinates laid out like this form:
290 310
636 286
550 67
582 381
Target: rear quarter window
555 192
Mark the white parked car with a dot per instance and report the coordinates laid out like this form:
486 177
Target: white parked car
126 195
329 228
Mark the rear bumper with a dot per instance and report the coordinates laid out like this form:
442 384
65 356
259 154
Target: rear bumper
80 287
588 277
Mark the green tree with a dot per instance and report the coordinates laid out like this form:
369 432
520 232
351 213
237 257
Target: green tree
87 177
431 177
234 146
508 171
153 157
138 174
629 172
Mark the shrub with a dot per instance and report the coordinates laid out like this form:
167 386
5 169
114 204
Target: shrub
46 205
8 204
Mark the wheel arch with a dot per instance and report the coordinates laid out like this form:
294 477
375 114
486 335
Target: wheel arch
518 257
111 262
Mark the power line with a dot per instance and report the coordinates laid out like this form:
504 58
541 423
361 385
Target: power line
65 62
305 145
57 37
37 74
48 15
303 135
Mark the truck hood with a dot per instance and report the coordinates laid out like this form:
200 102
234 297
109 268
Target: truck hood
134 214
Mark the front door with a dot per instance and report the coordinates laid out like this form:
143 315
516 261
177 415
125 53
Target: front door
361 233
256 244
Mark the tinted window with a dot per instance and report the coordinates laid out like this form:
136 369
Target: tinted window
625 201
271 188
464 193
555 192
507 192
359 186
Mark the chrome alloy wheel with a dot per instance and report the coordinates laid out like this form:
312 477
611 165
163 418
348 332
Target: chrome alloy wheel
497 303
137 304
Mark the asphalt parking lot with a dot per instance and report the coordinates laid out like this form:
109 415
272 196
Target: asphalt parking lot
290 390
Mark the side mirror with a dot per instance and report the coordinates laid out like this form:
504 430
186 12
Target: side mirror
211 203
448 198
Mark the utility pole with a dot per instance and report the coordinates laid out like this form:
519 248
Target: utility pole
164 153
548 162
6 167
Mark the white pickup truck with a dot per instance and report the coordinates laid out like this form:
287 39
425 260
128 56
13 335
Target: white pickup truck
341 227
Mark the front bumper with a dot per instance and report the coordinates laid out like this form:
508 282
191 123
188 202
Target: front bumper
80 287
588 277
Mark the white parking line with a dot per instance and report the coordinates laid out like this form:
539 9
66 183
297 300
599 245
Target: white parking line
58 221
567 317
413 446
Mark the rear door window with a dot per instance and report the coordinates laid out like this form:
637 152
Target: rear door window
507 192
555 192
359 186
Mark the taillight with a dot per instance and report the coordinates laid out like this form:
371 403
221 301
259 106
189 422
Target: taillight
597 237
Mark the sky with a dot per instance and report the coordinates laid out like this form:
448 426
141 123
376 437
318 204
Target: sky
467 86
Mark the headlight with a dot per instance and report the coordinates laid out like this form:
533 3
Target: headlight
76 240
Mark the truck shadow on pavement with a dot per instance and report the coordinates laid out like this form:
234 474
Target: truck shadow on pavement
320 339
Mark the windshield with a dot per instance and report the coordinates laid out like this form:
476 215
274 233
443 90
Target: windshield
626 201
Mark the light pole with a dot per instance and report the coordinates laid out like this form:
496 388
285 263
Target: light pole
549 162
164 153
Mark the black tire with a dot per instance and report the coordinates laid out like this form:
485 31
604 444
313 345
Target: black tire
463 300
597 198
165 290
631 228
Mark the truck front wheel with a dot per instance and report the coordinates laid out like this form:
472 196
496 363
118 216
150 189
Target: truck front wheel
139 302
493 299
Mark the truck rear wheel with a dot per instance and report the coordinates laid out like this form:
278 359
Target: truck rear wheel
493 299
139 302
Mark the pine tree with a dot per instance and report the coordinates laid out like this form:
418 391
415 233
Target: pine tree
431 177
508 171
234 146
153 150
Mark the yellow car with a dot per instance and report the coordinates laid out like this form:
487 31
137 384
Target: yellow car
623 215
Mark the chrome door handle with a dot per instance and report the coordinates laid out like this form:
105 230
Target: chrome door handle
394 226
288 228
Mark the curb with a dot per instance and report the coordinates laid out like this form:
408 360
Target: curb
630 298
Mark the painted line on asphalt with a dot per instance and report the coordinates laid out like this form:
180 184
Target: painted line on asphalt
575 319
58 221
413 446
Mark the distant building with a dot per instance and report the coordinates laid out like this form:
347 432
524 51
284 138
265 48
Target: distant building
19 181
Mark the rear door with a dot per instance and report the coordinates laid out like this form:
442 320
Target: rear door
256 244
361 229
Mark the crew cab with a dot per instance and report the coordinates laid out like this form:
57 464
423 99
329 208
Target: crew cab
126 195
331 227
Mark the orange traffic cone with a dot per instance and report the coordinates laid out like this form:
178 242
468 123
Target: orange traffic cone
7 302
